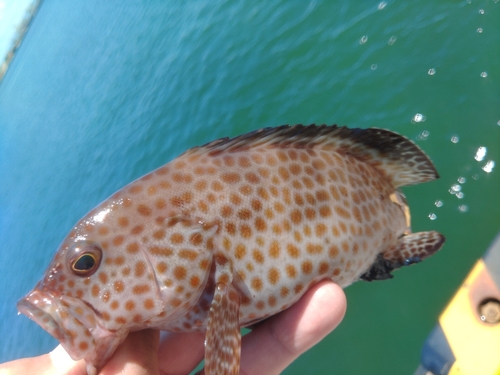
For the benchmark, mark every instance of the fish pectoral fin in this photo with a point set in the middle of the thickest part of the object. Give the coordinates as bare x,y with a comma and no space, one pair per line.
410,249
223,338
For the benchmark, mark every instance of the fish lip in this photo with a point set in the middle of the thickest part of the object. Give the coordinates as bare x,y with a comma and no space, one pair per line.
37,306
64,318
54,314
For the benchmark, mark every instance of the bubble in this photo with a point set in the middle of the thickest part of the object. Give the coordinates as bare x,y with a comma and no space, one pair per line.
432,216
480,153
462,180
488,167
479,30
423,136
481,11
498,123
418,118
475,177
484,74
382,5
392,40
431,71
455,188
438,203
454,138
373,67
463,208
363,39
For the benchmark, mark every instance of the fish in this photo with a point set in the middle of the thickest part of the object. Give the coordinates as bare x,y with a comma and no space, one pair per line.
230,233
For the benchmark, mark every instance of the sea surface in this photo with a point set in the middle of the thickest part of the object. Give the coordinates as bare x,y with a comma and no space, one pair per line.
100,93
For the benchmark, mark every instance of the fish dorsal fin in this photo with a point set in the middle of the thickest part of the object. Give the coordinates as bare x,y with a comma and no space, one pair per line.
395,156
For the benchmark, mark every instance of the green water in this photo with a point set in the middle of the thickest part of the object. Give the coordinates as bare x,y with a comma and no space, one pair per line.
99,94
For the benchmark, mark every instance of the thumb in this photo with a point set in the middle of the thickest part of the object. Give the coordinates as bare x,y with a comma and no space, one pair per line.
137,355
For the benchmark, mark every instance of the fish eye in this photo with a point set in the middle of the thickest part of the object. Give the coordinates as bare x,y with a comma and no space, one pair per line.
84,263
84,258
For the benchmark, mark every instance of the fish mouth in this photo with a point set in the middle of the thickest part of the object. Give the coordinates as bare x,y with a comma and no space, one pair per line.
66,319
77,325
43,309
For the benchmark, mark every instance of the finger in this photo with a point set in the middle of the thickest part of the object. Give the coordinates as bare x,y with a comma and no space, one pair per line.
63,364
180,353
136,355
277,342
57,362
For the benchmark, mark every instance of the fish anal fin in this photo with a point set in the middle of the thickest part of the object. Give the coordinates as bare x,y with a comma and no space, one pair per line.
410,249
223,338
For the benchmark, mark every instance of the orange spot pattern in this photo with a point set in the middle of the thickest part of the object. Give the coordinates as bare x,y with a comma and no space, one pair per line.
284,217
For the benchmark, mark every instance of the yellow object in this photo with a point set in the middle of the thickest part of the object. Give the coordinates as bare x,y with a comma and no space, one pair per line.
474,342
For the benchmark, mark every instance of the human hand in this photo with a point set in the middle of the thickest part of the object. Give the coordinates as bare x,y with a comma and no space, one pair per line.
268,349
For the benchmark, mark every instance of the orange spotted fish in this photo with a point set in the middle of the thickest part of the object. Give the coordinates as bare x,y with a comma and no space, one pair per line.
231,233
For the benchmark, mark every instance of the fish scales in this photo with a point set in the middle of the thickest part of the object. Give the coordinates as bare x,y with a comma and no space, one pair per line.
230,233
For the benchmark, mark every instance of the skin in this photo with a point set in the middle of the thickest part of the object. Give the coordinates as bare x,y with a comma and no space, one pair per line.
271,346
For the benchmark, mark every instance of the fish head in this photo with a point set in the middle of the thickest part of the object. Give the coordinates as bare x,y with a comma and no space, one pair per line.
98,286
